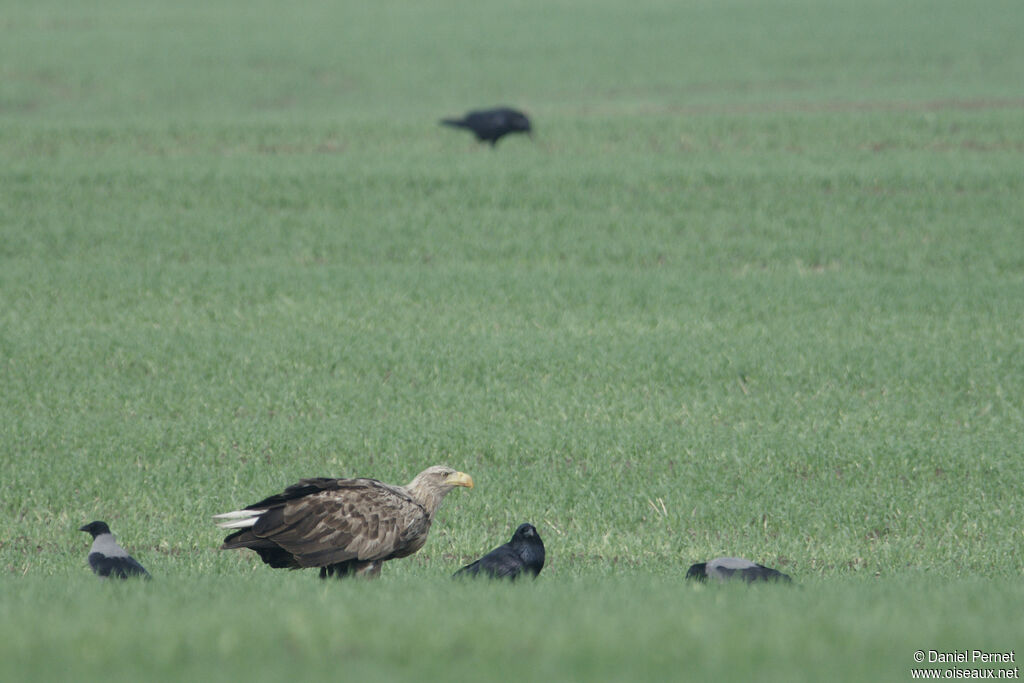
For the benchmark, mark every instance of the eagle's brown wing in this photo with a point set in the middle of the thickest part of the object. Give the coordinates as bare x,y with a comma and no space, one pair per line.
345,519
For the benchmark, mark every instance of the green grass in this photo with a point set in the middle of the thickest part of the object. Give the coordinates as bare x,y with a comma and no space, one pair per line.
756,288
423,627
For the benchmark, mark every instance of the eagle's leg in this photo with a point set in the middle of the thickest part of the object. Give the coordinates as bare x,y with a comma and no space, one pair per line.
369,570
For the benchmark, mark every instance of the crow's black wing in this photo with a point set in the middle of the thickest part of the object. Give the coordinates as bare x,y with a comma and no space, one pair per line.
501,563
118,567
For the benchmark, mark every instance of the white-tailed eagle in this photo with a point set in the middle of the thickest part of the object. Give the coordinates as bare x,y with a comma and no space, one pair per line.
343,526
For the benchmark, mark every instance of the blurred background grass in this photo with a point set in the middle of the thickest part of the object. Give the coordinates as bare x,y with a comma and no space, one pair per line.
755,288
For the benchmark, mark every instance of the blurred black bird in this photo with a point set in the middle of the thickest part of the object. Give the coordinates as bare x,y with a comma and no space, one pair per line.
524,553
107,558
490,125
724,568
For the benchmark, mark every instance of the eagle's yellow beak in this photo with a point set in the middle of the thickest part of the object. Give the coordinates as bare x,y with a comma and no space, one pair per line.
460,479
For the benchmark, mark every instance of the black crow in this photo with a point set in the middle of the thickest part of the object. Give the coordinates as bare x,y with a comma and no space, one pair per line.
524,553
723,568
107,558
489,125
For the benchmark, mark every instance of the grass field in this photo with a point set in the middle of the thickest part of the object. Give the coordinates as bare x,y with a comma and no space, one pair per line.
756,288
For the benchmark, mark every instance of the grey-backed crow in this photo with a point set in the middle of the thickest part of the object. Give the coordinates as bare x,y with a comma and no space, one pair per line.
107,558
723,568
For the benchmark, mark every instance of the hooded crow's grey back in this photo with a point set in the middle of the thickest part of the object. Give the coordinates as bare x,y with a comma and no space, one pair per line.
490,125
724,568
523,554
107,558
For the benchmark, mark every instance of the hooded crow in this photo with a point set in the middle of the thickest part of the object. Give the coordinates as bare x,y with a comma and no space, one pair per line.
490,125
107,558
724,568
524,553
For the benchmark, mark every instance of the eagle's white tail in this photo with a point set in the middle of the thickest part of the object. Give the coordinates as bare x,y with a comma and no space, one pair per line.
243,519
